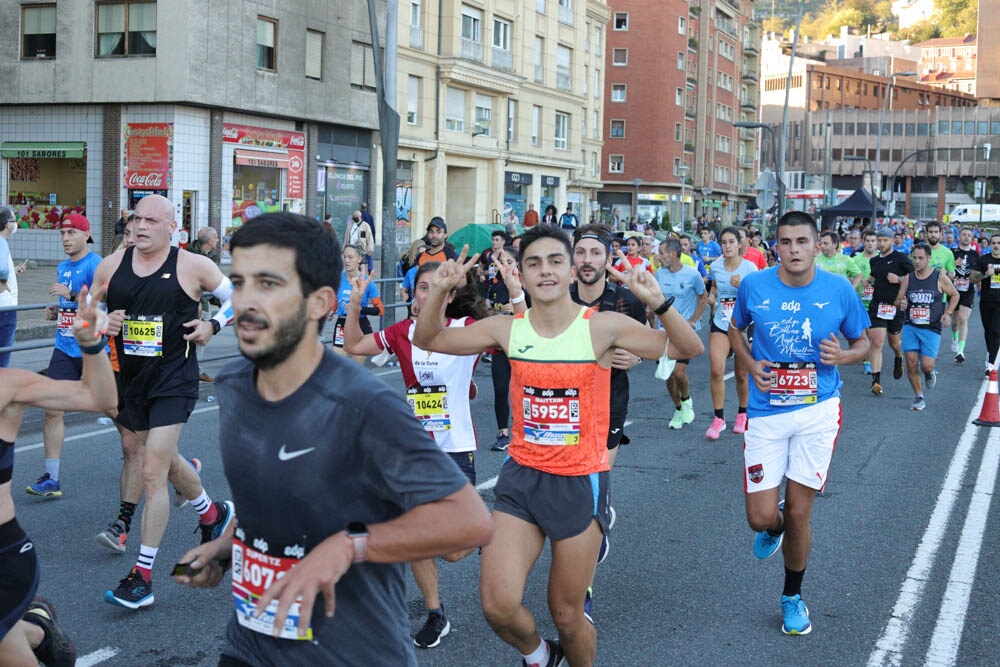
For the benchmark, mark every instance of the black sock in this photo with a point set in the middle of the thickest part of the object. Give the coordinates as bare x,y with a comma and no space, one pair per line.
685,398
793,582
876,376
742,410
677,405
719,413
125,512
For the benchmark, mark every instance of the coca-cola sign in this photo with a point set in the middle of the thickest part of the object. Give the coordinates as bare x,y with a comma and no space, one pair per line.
147,161
263,137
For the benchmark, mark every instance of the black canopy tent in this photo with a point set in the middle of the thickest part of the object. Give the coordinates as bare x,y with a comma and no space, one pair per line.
858,205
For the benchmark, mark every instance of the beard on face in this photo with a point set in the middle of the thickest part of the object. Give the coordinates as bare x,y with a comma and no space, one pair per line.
598,274
287,337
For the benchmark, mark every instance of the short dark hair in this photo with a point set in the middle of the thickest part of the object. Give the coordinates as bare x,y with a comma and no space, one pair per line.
932,223
317,252
539,232
834,236
797,219
922,246
734,231
500,232
868,231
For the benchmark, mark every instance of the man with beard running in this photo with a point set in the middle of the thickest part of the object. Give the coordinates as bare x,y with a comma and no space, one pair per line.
862,258
889,270
437,250
941,257
153,296
966,260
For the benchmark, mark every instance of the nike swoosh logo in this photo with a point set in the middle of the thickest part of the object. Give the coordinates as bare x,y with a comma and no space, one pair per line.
284,455
524,349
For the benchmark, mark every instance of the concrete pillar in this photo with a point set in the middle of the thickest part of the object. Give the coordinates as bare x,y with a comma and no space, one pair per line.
106,214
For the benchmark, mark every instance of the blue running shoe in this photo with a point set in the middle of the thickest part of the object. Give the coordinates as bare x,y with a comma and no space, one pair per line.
765,544
796,616
212,531
132,593
868,368
45,487
588,605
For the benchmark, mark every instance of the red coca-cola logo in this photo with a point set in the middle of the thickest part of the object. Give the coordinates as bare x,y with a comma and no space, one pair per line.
230,132
297,141
150,180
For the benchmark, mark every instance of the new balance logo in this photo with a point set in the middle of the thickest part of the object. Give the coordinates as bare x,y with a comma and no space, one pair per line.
165,276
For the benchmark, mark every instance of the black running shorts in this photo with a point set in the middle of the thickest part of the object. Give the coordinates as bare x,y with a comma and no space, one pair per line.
466,462
893,326
64,367
561,506
19,581
165,411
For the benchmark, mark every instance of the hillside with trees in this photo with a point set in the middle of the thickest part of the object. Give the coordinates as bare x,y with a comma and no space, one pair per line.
821,18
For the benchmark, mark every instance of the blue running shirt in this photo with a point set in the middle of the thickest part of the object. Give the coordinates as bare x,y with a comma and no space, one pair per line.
790,323
73,275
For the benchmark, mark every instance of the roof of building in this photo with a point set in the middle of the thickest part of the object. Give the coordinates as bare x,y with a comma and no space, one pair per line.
968,40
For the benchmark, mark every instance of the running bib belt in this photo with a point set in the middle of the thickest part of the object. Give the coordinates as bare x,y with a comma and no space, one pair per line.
142,335
430,406
886,311
65,323
793,383
255,569
551,416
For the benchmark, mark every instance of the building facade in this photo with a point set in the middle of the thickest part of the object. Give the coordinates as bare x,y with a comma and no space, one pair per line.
227,109
501,107
679,75
949,62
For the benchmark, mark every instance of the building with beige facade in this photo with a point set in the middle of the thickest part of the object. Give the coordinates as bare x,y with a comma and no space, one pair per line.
501,105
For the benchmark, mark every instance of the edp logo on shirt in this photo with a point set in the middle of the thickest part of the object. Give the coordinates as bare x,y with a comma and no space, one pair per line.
791,306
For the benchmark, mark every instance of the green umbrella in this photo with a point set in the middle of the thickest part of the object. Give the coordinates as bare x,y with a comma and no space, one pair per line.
478,237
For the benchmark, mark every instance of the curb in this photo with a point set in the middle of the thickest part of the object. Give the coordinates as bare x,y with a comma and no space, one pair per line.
35,332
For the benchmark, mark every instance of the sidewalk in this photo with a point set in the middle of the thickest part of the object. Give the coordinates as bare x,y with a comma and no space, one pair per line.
33,288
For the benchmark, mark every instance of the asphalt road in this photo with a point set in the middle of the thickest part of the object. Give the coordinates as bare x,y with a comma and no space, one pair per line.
901,570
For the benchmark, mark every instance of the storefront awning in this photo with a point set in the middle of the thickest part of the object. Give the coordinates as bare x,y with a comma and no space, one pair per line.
261,159
43,149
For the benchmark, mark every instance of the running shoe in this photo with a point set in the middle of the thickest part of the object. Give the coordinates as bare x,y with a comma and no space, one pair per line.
56,649
435,628
212,531
918,403
795,616
502,443
687,411
588,605
741,423
876,388
133,592
178,498
203,377
959,358
931,379
764,543
677,420
556,656
114,536
897,368
716,429
868,368
45,487
954,345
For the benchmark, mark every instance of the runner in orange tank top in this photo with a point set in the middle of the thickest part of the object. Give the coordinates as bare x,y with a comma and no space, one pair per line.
555,485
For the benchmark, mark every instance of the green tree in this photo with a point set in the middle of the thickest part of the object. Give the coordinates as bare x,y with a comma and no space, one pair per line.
956,17
921,32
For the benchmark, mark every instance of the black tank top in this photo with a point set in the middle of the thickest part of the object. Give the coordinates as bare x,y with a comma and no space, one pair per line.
924,306
154,358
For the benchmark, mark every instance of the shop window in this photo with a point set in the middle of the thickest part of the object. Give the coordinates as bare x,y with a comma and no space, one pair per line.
38,32
314,55
362,66
126,29
45,181
267,40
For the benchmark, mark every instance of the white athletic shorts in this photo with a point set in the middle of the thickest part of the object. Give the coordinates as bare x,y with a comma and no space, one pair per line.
798,445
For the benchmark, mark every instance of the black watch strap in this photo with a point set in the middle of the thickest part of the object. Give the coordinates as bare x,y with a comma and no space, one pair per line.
665,306
216,327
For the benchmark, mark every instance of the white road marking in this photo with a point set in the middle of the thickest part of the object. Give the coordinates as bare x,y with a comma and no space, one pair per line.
98,656
947,636
889,647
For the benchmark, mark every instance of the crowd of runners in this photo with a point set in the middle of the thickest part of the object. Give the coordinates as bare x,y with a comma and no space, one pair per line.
561,315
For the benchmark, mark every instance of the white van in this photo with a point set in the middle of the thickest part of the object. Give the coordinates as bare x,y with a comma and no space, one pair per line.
969,213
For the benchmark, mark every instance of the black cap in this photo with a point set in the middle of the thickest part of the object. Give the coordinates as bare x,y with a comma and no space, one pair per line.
438,221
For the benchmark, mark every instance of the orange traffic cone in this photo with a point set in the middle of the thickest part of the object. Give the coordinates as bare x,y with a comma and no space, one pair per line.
990,413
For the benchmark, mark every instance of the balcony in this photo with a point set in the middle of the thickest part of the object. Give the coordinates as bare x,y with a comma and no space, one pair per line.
750,49
472,50
728,27
746,162
502,59
750,75
566,15
416,37
692,74
689,148
692,44
691,110
748,103
746,134
733,4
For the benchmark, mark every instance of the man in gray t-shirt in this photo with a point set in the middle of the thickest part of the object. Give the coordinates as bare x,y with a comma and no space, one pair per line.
335,483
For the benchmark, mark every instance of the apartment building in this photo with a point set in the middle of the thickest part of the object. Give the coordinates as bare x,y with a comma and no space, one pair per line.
501,104
679,74
949,62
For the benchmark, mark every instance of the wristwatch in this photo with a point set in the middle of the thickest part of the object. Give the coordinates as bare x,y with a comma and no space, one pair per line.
216,327
357,532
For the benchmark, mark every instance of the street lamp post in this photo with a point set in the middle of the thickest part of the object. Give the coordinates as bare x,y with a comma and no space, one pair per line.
683,172
871,180
878,136
635,207
750,125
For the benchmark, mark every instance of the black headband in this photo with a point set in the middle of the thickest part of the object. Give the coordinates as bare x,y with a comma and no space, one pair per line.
603,240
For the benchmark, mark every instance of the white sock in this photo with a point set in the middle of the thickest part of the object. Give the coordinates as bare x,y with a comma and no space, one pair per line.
540,656
202,503
147,556
52,468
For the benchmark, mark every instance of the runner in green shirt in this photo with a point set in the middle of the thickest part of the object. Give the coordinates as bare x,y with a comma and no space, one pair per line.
862,260
833,260
941,256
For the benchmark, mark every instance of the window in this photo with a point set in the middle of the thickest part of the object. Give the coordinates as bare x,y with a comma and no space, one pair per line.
595,165
619,57
723,143
501,34
679,97
540,6
618,92
621,21
586,78
617,129
413,100
536,126
454,113
38,32
415,10
681,60
586,39
539,59
472,24
677,166
566,11
560,134
267,33
597,83
362,66
564,63
597,40
583,127
127,29
678,131
727,50
511,120
616,164
314,55
484,115
597,123
681,25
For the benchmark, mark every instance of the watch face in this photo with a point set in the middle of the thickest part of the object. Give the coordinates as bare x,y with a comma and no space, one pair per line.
356,527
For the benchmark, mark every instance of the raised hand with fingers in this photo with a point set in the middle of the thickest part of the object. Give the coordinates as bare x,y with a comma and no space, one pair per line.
359,285
509,273
450,274
90,322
